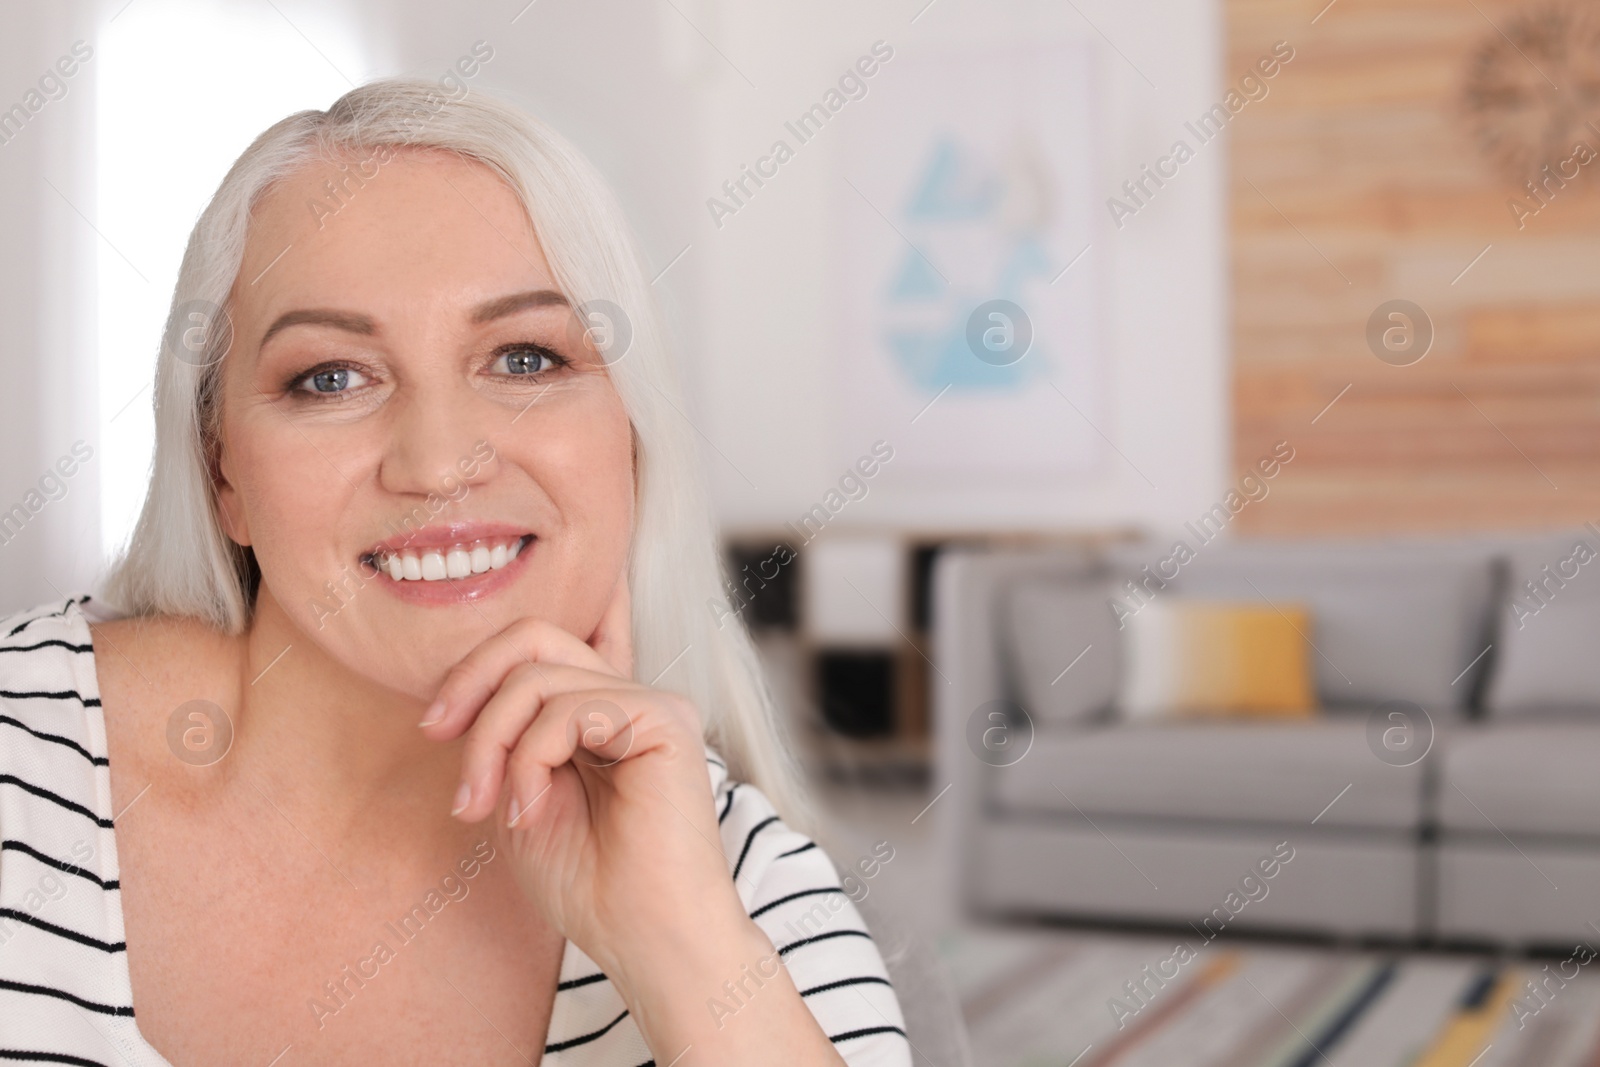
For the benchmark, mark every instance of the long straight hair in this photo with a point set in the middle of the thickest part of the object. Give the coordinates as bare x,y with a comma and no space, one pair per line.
180,562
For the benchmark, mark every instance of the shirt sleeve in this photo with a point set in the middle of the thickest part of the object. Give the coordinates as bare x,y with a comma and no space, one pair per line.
792,890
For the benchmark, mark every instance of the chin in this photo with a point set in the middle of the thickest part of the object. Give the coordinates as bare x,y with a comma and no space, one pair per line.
412,660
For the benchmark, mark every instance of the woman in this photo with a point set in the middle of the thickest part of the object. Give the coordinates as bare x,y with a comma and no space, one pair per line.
369,757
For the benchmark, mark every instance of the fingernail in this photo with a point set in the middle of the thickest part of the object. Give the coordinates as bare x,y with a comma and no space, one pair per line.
463,798
434,713
513,811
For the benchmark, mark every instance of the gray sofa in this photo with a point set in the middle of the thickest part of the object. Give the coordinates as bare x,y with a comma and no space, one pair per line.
1448,789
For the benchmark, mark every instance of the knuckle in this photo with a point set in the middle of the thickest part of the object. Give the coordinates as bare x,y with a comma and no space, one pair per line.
527,627
504,752
485,743
524,676
520,763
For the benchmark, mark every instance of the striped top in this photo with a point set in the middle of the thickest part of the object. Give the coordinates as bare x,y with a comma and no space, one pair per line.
65,994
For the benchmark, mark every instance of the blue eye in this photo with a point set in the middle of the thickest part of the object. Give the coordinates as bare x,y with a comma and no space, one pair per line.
526,361
331,381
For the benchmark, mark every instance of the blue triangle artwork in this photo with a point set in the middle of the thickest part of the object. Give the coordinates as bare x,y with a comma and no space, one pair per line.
956,190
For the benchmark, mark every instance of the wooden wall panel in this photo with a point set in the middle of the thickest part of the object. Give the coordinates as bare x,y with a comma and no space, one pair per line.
1357,180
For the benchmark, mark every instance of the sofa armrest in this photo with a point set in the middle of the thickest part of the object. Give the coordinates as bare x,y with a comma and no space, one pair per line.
968,584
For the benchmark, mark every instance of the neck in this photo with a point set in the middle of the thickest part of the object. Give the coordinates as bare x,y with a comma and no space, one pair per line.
338,745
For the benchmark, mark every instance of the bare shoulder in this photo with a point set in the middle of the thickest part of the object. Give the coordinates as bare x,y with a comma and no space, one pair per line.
149,666
159,641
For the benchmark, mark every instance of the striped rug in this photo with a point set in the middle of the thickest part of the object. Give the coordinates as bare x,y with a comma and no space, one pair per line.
1034,998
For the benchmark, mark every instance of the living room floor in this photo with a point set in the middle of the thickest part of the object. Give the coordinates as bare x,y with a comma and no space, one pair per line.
1037,995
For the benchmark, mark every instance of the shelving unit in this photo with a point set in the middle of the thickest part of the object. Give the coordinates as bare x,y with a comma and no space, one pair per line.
853,677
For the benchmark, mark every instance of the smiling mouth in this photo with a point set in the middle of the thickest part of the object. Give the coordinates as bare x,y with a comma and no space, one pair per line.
448,562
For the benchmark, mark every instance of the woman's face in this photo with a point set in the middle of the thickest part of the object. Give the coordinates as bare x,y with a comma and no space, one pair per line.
407,394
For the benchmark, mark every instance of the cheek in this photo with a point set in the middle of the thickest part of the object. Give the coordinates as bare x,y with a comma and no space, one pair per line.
292,498
585,464
587,467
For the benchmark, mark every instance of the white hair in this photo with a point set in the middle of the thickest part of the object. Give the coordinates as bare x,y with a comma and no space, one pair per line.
180,562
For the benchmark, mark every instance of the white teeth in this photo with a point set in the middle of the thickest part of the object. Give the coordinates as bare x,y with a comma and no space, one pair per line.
454,562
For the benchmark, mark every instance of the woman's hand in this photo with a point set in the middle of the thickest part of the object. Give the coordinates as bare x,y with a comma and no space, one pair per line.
603,800
598,784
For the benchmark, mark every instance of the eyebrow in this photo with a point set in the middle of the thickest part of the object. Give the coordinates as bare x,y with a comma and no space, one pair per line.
510,305
354,322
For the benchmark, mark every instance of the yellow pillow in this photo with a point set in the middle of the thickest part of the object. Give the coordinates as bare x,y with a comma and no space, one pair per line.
1196,658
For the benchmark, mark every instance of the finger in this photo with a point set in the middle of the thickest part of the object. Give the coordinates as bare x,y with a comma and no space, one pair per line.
613,637
503,720
594,730
481,672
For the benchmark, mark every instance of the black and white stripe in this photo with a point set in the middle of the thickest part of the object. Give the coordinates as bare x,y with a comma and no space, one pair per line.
64,990
792,891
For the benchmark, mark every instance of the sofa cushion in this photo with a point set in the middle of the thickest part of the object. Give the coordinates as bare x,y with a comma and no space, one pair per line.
1532,775
1393,620
1047,627
1548,620
1549,663
1244,771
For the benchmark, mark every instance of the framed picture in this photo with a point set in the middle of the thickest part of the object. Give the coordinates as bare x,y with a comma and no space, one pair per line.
967,284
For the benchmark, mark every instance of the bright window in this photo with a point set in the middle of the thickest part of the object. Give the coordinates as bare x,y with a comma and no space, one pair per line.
184,87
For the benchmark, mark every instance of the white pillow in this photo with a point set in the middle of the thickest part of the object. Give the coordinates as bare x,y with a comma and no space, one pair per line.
1149,668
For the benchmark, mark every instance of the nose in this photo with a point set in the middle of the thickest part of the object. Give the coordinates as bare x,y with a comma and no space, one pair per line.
435,445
